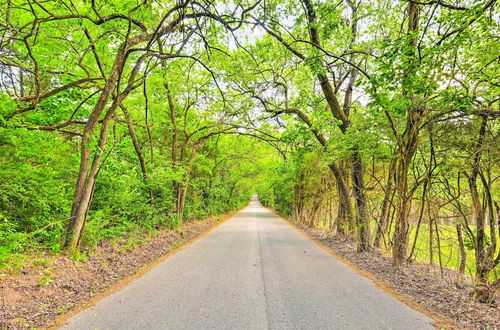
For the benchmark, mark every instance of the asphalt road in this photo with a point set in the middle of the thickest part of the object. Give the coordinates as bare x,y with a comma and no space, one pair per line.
252,272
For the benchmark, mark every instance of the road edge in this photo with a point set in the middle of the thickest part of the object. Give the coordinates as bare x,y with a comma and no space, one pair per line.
440,321
62,319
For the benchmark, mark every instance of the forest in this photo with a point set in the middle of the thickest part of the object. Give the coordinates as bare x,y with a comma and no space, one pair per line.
376,121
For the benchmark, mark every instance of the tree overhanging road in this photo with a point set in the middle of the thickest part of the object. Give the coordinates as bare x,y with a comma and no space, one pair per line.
252,272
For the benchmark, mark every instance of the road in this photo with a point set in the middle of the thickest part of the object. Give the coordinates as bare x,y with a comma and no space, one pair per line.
252,272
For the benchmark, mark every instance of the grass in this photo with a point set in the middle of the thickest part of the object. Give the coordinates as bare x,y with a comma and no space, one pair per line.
450,254
47,277
449,247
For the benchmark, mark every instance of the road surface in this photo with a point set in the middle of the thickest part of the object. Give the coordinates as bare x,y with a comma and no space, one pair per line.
252,272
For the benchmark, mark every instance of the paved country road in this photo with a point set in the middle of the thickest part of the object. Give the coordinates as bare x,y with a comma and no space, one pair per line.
252,272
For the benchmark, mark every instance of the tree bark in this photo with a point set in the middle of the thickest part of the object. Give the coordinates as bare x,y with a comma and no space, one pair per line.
138,151
484,264
362,223
342,114
407,147
461,246
176,186
183,187
86,176
386,206
89,169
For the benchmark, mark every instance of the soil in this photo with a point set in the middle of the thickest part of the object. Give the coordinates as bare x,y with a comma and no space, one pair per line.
40,294
445,298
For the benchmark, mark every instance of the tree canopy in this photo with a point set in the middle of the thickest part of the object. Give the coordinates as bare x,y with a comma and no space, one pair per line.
374,119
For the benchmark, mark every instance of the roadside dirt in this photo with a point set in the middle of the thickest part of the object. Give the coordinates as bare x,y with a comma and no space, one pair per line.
446,299
40,294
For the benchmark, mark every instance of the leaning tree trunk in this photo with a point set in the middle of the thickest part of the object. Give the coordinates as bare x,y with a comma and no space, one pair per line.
82,202
340,178
86,176
342,114
138,151
89,169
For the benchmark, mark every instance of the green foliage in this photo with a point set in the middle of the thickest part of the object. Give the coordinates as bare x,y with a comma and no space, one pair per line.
78,255
47,277
207,123
277,189
38,173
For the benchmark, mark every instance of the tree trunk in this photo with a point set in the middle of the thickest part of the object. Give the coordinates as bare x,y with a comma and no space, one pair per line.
138,151
299,201
482,290
81,205
342,114
176,185
386,206
83,187
88,171
183,187
344,198
461,246
407,147
362,223
403,204
431,234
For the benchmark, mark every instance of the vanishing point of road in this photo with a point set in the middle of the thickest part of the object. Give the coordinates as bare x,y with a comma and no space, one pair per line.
252,272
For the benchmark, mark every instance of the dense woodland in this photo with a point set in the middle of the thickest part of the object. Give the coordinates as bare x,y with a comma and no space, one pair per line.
376,120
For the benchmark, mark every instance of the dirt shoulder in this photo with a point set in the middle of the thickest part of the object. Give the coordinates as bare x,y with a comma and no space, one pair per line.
446,300
46,294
